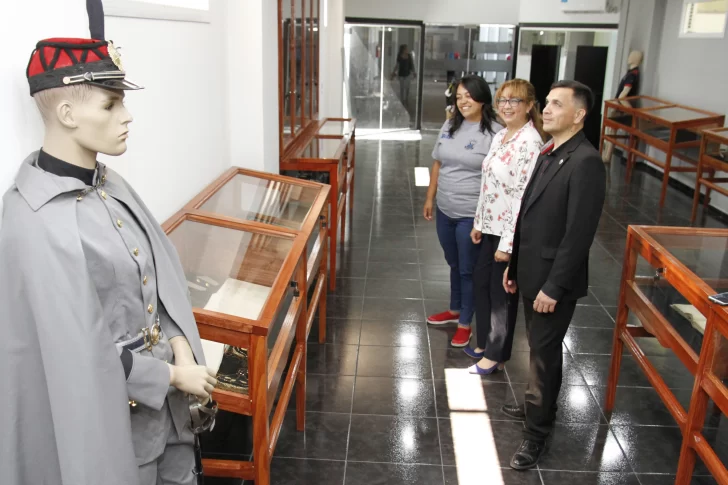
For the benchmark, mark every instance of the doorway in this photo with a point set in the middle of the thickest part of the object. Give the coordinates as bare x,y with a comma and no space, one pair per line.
591,69
544,70
383,92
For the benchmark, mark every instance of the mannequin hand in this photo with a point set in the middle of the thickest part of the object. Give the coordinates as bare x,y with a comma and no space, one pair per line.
509,285
502,257
427,210
544,303
476,236
192,379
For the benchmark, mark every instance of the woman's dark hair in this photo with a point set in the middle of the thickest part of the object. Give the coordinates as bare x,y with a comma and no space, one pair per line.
479,92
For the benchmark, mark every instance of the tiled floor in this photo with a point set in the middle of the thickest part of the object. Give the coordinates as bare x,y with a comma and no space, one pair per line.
389,401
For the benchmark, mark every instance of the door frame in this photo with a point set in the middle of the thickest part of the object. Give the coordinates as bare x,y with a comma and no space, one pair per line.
420,53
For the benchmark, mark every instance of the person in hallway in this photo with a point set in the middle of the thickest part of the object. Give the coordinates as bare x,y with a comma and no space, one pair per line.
506,172
462,145
404,69
559,216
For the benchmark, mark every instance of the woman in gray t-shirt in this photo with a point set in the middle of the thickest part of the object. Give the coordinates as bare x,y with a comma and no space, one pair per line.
461,147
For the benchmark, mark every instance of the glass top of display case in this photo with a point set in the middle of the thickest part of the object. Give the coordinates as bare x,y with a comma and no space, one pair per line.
336,127
640,103
329,148
676,114
229,271
263,200
705,254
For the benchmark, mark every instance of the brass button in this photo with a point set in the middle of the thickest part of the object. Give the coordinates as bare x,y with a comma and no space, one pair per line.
136,251
132,403
103,179
103,194
150,309
144,281
79,198
119,223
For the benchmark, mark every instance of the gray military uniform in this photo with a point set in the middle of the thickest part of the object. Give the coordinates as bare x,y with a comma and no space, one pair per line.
136,278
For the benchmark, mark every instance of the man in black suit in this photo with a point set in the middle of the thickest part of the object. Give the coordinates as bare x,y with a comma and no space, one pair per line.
559,216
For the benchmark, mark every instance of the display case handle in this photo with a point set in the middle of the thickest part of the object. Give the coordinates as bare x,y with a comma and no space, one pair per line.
294,285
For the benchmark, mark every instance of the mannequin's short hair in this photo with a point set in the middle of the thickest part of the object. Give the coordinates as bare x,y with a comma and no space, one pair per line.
48,99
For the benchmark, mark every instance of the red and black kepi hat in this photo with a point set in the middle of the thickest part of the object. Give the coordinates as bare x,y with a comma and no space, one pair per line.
63,62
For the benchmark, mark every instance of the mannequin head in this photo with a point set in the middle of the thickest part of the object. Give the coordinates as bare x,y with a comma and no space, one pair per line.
634,59
85,118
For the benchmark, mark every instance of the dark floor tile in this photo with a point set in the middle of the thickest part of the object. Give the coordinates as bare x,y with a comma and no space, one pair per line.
349,287
589,340
394,255
331,359
394,397
392,474
379,230
354,269
653,479
463,392
588,478
393,242
476,437
589,300
396,271
393,309
431,272
650,449
607,295
394,362
327,394
518,369
592,316
637,406
441,335
436,306
596,371
449,363
433,256
436,290
584,447
520,339
338,332
394,440
473,473
352,255
291,471
348,308
325,437
393,288
576,405
394,333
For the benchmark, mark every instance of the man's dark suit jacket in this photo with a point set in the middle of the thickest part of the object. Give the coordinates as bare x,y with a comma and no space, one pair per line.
559,216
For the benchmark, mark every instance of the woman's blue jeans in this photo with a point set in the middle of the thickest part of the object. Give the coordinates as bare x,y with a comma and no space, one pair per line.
461,255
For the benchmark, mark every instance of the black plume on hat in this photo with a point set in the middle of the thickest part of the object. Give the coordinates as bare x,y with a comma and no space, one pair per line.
95,10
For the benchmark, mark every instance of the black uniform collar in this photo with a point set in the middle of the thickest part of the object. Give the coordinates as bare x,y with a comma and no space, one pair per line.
56,166
567,147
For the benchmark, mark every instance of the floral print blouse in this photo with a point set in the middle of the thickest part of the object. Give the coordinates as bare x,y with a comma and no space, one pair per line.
506,171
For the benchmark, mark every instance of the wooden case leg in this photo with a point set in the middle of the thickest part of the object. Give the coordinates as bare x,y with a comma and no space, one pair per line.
696,195
628,272
333,226
301,341
259,393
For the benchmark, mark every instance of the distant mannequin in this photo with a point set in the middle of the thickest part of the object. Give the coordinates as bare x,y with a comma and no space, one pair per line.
628,86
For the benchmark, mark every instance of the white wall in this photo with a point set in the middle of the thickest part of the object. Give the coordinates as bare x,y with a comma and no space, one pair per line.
331,60
437,11
549,12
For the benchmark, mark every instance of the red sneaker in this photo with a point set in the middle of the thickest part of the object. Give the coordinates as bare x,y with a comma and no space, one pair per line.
443,318
461,337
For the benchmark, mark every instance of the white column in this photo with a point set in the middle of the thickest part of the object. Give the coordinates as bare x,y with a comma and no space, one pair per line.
331,45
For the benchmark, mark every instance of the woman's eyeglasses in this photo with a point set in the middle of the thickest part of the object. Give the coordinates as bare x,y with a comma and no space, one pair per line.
501,102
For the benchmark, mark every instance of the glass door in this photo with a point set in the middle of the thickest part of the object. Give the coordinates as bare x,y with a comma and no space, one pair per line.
383,72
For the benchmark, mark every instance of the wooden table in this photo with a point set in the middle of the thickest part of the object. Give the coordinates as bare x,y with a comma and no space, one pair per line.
675,264
669,127
713,158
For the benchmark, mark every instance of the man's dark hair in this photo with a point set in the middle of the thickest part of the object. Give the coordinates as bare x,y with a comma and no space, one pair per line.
582,93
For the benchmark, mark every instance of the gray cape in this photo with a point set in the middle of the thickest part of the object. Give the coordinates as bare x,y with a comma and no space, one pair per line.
64,418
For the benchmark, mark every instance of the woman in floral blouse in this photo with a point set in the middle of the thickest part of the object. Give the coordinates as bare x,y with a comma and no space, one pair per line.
506,171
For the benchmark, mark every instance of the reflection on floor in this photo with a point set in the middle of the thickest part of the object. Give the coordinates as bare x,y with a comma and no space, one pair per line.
389,401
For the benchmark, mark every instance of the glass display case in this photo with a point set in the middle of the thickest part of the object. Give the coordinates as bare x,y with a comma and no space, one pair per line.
328,156
713,158
251,246
668,275
668,127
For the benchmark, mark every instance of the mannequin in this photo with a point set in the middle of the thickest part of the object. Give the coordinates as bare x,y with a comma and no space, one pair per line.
628,86
96,306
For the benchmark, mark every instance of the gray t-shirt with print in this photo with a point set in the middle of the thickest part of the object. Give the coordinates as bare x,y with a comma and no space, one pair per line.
461,156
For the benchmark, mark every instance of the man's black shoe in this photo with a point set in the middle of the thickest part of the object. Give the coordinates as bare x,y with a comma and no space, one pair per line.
515,411
527,455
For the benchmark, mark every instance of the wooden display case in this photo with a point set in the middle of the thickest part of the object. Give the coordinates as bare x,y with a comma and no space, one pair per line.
668,127
252,246
713,158
327,155
679,268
